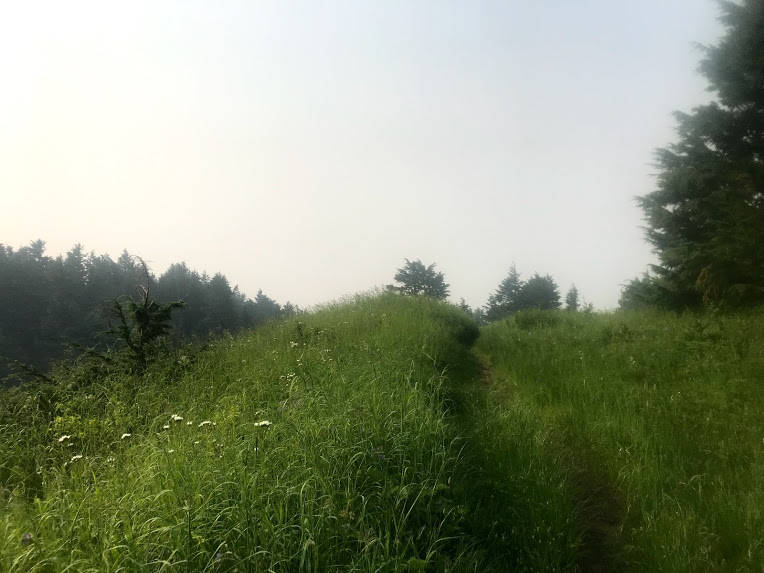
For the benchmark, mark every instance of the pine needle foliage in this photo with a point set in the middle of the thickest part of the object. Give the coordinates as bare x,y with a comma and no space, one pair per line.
706,218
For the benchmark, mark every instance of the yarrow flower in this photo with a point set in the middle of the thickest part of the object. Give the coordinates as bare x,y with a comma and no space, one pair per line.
176,418
125,435
263,423
64,438
205,423
189,423
166,427
76,457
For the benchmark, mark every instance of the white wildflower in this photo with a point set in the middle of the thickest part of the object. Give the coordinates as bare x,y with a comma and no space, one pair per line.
170,451
189,423
110,460
293,344
205,423
263,423
125,435
196,443
176,418
166,427
64,438
75,458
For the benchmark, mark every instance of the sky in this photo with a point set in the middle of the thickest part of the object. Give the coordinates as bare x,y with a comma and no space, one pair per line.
307,148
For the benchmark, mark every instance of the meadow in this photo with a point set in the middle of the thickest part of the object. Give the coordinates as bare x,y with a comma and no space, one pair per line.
389,433
653,423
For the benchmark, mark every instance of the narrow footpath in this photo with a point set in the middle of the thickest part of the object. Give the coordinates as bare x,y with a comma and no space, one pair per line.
541,501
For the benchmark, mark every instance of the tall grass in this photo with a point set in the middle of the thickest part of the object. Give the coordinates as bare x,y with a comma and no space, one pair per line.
316,444
368,437
653,425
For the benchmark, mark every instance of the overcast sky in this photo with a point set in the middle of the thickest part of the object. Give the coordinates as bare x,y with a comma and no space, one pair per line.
306,148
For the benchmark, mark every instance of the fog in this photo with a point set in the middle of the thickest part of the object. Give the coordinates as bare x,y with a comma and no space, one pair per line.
307,148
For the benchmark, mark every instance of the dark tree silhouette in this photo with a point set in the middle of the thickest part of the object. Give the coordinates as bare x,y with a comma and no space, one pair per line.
416,278
706,218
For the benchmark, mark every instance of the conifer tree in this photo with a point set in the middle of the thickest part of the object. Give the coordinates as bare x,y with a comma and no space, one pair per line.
540,292
506,299
706,217
142,323
571,299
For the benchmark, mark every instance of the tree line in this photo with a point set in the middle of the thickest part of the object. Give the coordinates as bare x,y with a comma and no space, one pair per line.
512,295
49,305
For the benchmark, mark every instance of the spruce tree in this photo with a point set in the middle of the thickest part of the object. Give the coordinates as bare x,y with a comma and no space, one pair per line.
506,299
142,323
540,293
571,299
706,217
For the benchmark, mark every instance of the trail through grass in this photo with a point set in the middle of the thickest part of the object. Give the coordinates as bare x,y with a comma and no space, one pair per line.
368,436
652,426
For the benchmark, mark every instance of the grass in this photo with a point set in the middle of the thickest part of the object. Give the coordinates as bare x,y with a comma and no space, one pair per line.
653,425
368,436
351,472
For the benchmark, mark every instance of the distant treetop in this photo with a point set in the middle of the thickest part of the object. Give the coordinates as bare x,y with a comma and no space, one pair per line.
416,278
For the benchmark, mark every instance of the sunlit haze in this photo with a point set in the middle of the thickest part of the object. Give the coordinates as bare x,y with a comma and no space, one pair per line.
307,148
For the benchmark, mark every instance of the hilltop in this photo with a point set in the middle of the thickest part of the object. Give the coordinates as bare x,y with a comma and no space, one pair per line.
389,433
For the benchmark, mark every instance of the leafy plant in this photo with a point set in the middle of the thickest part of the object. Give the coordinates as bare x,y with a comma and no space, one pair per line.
142,323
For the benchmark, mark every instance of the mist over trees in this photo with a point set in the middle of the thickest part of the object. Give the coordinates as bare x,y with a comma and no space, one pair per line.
705,220
513,294
571,299
417,279
48,304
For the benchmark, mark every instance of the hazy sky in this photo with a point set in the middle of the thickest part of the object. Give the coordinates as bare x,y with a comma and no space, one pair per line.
306,148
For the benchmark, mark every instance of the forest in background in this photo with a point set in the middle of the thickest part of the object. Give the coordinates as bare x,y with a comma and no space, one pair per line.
63,307
51,306
705,222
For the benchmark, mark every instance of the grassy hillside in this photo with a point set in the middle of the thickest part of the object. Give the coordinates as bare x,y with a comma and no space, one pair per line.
314,444
368,436
650,425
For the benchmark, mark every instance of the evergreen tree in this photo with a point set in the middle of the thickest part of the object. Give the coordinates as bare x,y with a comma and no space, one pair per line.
506,299
644,292
706,217
50,305
222,314
571,299
265,308
540,292
181,283
416,278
